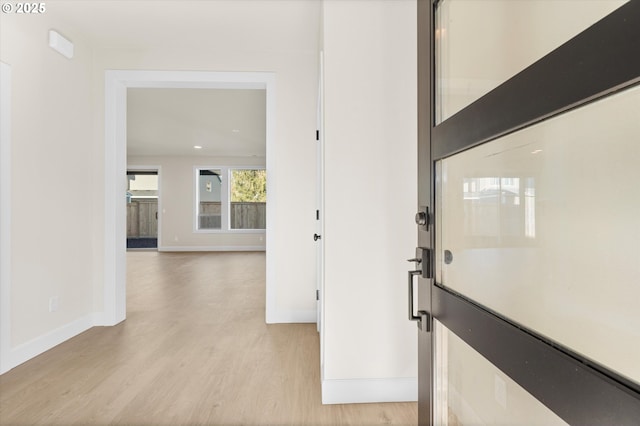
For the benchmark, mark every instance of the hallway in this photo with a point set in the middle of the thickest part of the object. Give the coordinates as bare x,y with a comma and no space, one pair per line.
193,350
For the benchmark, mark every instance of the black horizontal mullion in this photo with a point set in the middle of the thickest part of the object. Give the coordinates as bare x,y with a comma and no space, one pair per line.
577,392
603,58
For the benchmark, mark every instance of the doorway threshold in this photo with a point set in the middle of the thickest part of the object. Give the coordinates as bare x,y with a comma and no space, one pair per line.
142,243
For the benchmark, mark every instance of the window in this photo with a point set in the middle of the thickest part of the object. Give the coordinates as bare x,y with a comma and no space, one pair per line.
248,199
209,199
230,199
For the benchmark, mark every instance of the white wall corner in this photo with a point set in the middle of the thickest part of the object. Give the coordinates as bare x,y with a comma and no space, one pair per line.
98,319
5,217
358,391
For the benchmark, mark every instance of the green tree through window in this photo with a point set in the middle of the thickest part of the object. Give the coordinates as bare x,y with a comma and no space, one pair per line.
248,199
249,186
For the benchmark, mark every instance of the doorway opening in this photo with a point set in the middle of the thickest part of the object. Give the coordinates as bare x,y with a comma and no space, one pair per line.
116,85
142,209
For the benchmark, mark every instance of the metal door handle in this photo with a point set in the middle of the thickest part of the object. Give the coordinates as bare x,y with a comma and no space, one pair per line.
316,237
411,275
423,317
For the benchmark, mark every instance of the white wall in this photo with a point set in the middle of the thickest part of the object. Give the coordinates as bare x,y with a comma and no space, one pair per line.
5,217
51,155
58,146
293,174
177,204
370,196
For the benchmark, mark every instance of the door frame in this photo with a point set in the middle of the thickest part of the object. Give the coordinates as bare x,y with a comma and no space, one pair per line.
426,239
320,212
115,152
580,71
6,363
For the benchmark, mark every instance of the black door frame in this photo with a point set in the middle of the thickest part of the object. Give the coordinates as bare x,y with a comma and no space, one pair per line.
425,200
600,61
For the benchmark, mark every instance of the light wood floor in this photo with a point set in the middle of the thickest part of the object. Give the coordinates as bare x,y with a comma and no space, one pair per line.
194,350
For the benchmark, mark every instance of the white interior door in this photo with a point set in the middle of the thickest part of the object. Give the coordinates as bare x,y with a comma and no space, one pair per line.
319,214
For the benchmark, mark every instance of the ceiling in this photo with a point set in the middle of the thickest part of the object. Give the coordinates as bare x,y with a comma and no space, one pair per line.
253,25
170,122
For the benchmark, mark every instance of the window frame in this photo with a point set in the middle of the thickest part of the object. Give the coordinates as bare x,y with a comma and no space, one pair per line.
225,200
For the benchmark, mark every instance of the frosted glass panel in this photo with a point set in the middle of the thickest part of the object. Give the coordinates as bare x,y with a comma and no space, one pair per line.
481,44
470,390
543,227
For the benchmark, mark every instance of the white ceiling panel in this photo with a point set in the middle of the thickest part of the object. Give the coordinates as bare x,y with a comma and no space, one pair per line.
246,25
170,122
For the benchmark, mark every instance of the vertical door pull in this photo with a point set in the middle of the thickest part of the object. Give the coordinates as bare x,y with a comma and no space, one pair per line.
423,318
411,275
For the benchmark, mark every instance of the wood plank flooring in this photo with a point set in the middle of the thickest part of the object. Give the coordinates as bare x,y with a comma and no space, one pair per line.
194,350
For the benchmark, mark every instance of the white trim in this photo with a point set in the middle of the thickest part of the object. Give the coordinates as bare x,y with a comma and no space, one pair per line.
116,84
294,317
212,248
5,217
115,187
229,231
271,289
356,391
35,347
320,206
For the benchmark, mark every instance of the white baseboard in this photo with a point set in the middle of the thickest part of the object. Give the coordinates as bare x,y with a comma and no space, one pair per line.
288,317
212,248
356,391
35,347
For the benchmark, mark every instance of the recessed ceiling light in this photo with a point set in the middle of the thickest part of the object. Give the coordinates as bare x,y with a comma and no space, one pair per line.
197,147
537,151
236,130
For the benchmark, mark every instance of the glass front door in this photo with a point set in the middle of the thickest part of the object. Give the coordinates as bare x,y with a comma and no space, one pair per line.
534,149
541,228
